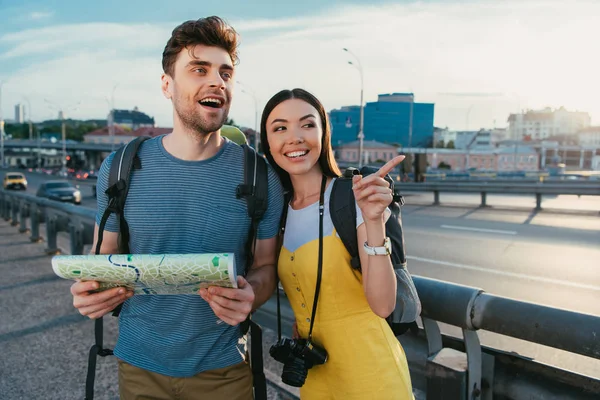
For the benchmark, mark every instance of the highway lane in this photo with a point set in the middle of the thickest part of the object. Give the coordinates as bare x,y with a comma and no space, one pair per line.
546,258
550,263
34,179
562,202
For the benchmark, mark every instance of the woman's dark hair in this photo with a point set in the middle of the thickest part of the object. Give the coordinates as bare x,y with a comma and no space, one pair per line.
326,160
210,31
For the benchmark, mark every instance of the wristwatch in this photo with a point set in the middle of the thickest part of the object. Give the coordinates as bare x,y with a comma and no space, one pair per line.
384,250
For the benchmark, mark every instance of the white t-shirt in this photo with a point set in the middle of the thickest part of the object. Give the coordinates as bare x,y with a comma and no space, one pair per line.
302,226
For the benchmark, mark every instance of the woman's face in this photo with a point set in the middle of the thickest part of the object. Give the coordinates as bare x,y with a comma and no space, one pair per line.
294,133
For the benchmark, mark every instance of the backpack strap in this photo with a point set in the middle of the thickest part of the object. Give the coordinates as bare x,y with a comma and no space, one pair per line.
342,208
255,191
124,161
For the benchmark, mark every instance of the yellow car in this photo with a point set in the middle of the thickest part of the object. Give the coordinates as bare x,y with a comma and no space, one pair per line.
14,180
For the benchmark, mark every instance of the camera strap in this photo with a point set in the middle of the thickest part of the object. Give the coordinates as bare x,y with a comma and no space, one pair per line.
320,265
320,262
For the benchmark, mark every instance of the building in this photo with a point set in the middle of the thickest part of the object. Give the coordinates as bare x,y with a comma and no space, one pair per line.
393,119
122,135
519,158
498,135
546,123
373,152
19,114
571,156
462,139
589,136
132,119
596,163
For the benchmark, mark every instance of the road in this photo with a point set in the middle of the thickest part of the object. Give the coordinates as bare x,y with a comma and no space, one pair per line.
85,186
550,258
549,202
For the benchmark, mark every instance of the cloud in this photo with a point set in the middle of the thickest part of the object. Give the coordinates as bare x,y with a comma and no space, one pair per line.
40,15
66,38
531,54
472,94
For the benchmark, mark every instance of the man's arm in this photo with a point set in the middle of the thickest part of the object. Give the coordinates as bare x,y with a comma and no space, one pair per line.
262,274
96,305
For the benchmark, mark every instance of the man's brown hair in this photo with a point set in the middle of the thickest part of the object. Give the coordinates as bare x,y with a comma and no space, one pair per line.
210,31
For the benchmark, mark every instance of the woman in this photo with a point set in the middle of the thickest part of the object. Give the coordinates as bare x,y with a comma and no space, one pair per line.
365,360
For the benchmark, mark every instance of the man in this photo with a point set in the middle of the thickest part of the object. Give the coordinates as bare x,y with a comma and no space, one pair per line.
183,200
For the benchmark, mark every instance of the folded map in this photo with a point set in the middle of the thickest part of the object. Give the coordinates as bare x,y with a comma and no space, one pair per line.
150,273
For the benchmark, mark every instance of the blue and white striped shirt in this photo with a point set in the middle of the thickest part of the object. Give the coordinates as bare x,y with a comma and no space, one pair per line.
174,207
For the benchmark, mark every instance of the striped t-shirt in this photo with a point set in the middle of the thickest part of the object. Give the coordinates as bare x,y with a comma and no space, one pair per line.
175,207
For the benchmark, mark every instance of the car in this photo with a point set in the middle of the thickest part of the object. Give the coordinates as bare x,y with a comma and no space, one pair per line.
14,180
60,191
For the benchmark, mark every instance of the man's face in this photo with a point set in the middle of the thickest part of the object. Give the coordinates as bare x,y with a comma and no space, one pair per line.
201,87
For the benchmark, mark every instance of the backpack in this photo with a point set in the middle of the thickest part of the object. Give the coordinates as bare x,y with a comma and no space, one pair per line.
254,190
342,207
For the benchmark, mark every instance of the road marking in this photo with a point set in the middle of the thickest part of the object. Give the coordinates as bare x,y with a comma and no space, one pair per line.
466,228
504,273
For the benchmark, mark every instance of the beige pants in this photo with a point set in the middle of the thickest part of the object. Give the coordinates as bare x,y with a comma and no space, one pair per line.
230,383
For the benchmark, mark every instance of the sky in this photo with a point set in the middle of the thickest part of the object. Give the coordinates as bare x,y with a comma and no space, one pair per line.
477,60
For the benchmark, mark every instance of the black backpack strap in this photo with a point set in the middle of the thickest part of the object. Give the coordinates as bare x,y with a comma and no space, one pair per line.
342,208
255,190
256,362
124,161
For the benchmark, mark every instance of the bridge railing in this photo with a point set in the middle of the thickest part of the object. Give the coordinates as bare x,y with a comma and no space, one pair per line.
535,189
454,368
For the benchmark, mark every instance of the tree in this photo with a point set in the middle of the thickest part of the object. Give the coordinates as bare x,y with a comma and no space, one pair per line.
17,131
450,144
440,144
443,165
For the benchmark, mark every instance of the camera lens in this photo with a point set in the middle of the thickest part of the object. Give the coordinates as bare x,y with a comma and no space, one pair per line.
294,372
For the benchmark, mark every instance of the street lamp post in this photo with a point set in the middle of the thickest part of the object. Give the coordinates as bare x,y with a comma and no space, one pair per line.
61,111
1,129
361,134
251,93
410,122
31,132
112,118
64,144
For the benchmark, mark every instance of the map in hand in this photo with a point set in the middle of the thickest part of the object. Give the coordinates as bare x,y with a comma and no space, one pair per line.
150,273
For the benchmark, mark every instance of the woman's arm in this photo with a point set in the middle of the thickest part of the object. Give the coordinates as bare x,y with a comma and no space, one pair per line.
373,194
379,281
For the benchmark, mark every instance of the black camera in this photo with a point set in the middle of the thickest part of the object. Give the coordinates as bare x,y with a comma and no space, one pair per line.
297,356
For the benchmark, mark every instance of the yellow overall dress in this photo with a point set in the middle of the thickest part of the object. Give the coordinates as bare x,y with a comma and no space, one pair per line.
366,361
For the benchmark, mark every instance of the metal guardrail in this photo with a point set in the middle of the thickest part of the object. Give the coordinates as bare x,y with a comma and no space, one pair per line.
537,189
450,373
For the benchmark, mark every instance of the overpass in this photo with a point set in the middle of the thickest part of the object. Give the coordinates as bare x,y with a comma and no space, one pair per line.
29,149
